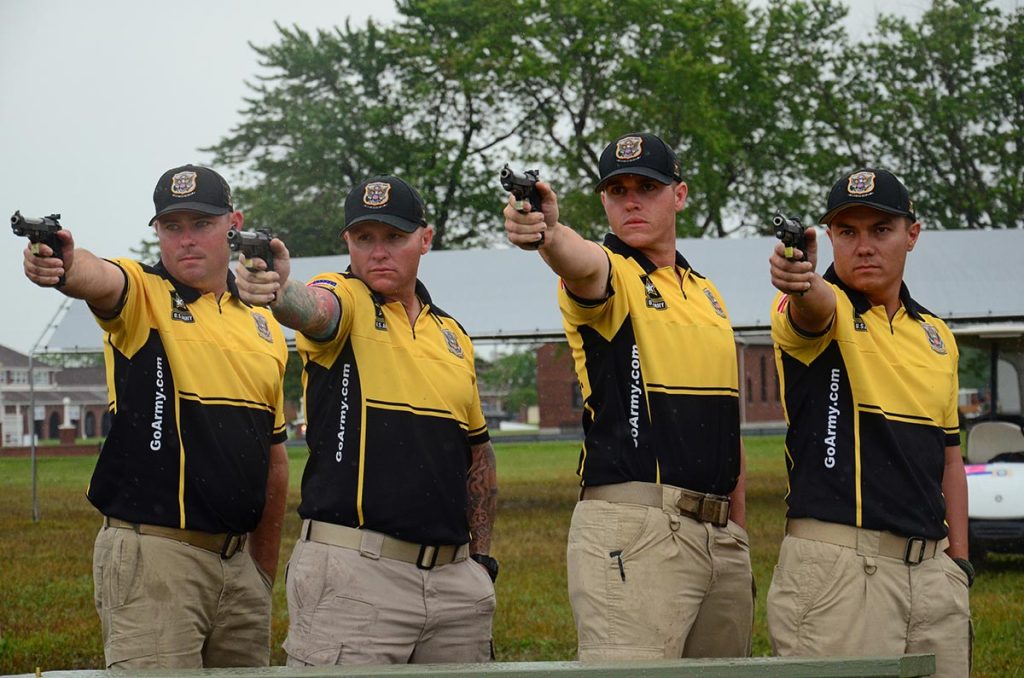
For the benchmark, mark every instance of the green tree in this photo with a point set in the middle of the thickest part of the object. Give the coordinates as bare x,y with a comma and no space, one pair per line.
764,105
940,103
343,105
514,375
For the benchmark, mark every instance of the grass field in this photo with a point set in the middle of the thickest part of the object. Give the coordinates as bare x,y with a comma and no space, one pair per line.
47,618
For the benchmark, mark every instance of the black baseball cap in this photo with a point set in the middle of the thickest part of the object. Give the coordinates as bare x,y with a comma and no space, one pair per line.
385,199
872,187
638,153
191,188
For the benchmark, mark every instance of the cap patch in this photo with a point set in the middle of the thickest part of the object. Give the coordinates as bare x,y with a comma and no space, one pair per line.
861,183
377,194
629,148
183,184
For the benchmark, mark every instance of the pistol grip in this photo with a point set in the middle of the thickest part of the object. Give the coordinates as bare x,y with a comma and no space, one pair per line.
535,201
53,242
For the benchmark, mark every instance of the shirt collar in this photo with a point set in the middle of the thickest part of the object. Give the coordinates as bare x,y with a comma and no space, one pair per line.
615,244
190,294
861,304
421,290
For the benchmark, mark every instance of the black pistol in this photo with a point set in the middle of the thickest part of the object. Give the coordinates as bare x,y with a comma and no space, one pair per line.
252,244
523,187
791,232
41,230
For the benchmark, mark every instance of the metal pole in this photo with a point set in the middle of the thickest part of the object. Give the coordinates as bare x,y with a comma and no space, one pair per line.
61,310
32,430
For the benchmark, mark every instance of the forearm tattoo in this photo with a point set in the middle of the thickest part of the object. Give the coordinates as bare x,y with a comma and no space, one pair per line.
312,311
482,495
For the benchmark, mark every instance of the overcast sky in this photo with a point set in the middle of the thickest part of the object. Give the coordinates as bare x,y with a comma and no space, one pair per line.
99,98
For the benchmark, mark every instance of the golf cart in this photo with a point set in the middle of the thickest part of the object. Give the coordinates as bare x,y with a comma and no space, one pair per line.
993,420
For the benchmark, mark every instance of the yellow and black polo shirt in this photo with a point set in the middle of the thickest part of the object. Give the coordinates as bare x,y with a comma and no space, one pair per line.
391,413
871,406
196,395
656,360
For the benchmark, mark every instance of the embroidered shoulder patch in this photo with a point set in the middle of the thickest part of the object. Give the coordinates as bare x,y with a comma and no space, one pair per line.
179,310
453,342
262,327
934,340
654,298
714,302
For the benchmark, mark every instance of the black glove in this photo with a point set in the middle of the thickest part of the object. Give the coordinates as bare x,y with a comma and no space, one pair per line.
490,564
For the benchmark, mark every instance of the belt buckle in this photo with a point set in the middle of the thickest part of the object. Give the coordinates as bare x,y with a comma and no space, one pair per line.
713,516
233,543
907,552
432,551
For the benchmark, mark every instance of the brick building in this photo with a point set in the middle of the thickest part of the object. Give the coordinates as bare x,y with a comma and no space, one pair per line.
74,395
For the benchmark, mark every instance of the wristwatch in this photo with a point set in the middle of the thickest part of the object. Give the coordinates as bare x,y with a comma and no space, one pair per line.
490,564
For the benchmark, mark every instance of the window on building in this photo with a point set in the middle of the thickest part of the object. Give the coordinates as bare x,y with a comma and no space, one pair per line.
750,391
90,424
54,426
764,379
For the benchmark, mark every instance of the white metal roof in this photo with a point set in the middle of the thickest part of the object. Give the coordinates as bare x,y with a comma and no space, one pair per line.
509,294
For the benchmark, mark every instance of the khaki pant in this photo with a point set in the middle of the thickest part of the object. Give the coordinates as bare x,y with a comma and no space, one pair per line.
166,604
347,608
828,600
647,583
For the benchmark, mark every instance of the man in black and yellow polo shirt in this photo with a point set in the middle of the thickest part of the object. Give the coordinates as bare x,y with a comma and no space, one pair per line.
874,561
658,559
193,477
399,493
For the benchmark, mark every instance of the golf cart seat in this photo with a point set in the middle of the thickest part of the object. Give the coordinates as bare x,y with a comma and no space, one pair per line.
989,439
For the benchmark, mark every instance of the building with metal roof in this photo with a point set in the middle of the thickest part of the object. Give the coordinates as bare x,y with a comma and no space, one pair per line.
509,295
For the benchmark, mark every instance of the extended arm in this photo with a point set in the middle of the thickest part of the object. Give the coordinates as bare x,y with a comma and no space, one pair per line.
812,301
99,282
313,311
581,264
